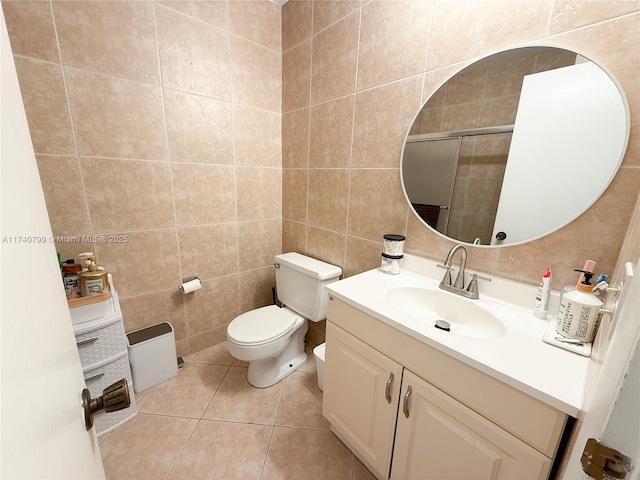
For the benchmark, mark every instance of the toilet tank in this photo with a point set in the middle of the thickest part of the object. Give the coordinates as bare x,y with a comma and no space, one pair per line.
300,282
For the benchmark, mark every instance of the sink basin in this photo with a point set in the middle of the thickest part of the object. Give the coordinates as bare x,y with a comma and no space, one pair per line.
466,318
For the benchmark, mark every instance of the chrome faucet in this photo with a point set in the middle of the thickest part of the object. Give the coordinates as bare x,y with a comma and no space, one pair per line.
458,286
463,263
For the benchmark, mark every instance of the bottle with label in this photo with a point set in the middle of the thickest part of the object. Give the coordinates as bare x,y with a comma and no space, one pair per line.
579,313
70,277
93,281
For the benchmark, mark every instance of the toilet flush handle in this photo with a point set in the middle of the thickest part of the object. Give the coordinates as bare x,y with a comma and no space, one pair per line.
277,265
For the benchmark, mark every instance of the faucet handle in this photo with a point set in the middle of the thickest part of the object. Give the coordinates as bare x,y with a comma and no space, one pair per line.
446,280
473,284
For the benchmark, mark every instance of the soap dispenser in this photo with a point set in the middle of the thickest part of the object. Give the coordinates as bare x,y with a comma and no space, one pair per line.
579,313
94,280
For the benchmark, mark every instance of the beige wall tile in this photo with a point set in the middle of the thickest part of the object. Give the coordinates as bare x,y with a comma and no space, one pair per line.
327,12
207,338
328,198
116,118
294,237
258,193
295,139
203,193
499,111
326,245
256,74
258,242
125,195
378,139
111,37
257,137
335,50
496,25
152,308
464,88
63,192
331,133
147,262
214,305
212,12
45,103
393,41
376,203
72,247
296,77
294,194
571,14
256,288
199,129
208,251
31,29
296,22
194,56
265,27
361,255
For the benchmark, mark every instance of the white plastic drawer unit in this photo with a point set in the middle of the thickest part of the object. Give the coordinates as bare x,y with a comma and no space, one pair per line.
102,348
100,377
100,341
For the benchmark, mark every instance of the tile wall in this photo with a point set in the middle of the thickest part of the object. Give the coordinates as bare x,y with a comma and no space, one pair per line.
158,126
356,73
212,138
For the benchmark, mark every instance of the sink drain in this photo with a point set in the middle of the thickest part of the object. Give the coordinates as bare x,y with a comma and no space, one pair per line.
443,325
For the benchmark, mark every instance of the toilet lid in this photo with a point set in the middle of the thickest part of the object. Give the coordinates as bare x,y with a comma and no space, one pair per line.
261,325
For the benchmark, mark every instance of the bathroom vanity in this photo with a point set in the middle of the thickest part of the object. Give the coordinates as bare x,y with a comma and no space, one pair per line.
412,401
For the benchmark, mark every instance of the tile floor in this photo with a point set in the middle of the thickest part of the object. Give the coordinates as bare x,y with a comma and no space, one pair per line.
208,422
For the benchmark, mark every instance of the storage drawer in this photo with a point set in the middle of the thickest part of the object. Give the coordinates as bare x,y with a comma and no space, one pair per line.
101,343
97,379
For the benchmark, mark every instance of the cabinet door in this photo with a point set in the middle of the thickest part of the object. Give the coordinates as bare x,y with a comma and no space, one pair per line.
361,391
439,438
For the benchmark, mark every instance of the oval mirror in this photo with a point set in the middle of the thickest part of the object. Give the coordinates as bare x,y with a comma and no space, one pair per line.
515,146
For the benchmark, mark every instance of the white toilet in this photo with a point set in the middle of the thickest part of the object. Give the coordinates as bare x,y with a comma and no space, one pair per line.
271,338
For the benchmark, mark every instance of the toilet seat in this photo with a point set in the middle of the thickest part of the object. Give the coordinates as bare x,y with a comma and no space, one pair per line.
262,325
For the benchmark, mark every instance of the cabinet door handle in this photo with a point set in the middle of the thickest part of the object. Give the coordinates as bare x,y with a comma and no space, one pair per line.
405,403
387,390
86,341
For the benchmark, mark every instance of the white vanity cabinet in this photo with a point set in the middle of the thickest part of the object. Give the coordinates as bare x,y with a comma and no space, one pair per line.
456,422
361,390
438,437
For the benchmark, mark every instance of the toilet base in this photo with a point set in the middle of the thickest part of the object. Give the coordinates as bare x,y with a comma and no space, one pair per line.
269,371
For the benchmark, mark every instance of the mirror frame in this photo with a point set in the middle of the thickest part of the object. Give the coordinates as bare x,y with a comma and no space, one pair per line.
597,195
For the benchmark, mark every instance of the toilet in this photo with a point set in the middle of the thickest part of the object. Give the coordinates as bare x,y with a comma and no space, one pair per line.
271,338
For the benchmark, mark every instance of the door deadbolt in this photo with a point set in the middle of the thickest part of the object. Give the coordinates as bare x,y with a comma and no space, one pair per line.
602,462
115,397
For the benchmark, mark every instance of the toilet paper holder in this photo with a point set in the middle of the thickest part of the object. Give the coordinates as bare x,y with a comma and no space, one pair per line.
187,280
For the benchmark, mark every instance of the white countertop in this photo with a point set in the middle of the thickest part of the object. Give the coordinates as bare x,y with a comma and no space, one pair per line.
518,358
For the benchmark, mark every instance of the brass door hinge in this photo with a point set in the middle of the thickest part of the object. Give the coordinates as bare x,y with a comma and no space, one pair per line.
603,462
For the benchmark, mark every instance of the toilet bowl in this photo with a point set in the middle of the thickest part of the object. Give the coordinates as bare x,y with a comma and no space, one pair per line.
271,338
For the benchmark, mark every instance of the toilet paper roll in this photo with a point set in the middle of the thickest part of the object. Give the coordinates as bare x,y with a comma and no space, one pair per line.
191,286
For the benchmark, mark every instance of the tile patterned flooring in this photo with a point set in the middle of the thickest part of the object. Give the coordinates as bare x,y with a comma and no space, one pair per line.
208,422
